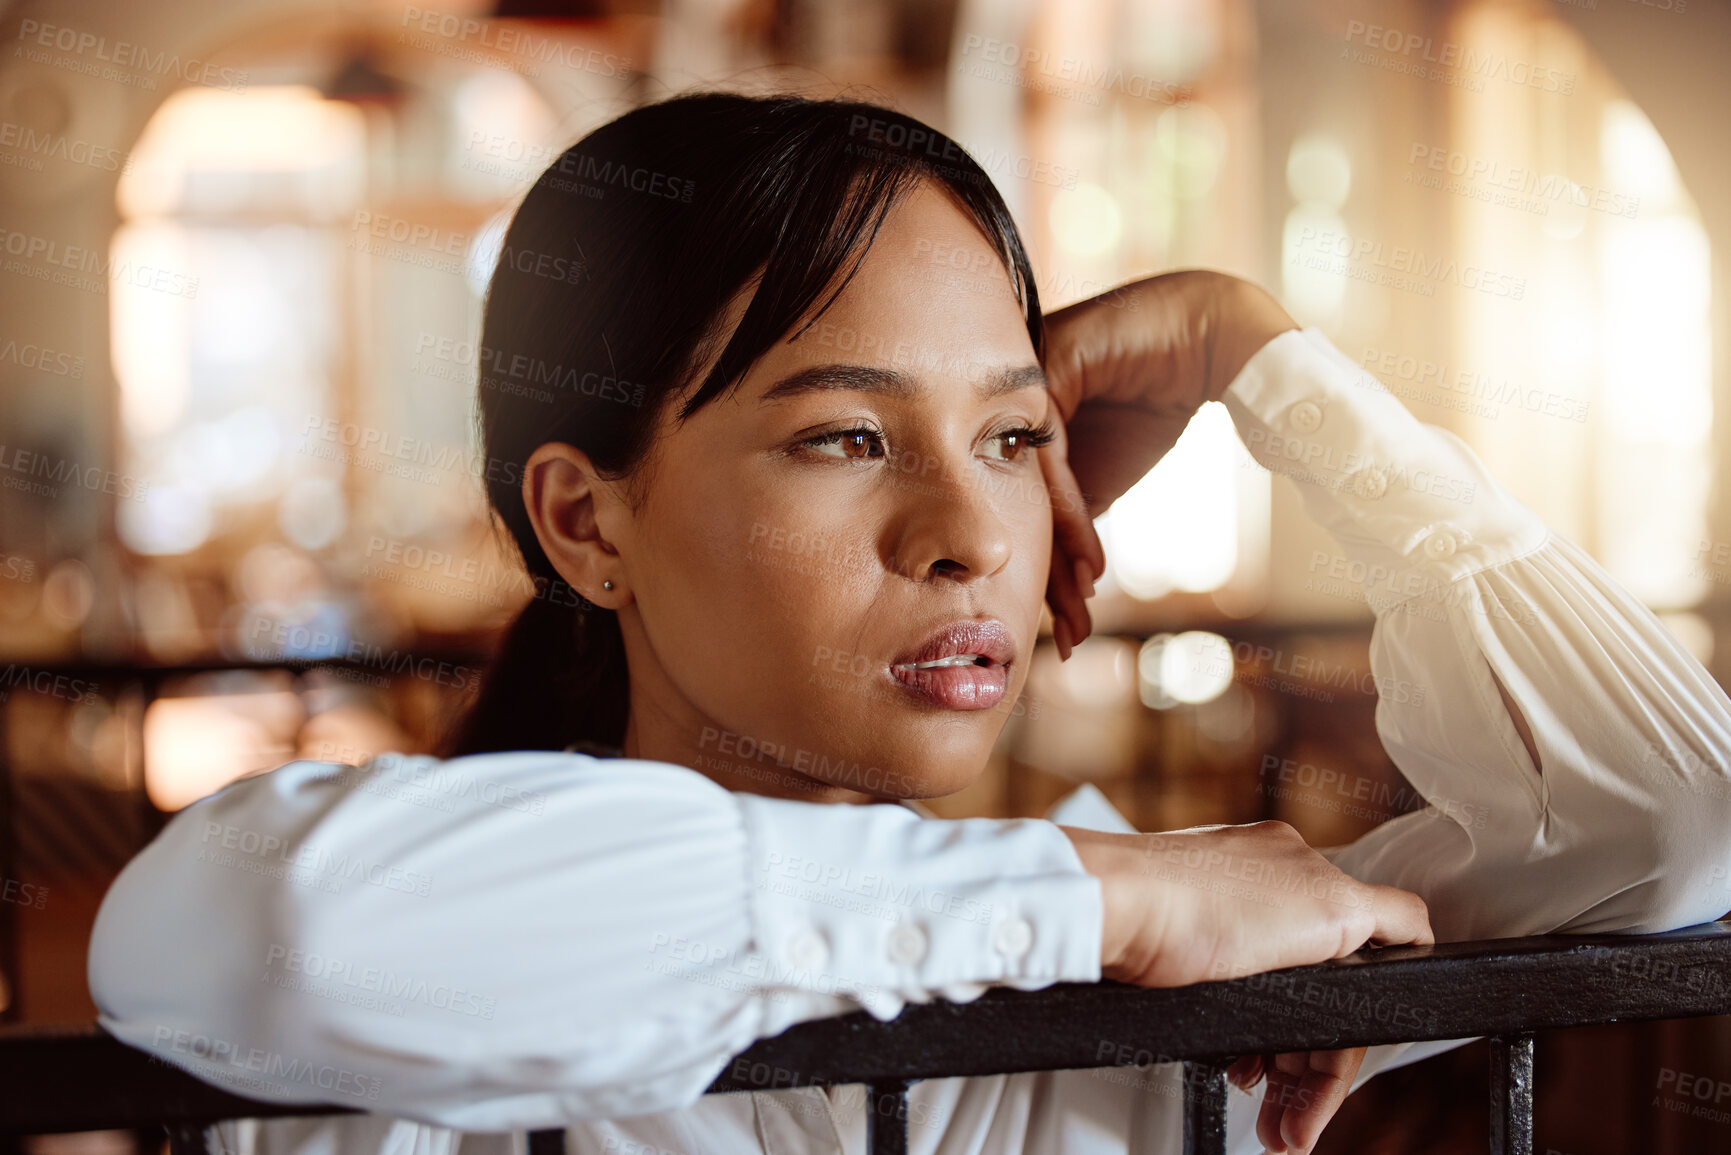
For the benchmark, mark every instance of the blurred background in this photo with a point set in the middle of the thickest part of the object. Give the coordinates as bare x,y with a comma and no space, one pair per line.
242,250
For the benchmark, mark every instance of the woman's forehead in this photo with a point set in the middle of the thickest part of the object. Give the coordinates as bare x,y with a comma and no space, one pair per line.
930,303
930,289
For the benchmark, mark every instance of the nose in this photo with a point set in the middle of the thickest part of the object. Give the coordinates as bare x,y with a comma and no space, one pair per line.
950,526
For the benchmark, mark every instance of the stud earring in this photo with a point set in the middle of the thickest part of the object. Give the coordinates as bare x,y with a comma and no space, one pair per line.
606,585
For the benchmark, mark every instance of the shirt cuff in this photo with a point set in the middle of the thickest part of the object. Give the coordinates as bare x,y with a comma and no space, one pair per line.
1410,503
884,907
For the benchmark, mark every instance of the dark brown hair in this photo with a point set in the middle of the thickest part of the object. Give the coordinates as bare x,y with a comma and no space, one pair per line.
606,298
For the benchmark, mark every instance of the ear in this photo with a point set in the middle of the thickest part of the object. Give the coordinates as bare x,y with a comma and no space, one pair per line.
568,502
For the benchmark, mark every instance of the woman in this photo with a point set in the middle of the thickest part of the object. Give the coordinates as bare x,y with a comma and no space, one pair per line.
808,475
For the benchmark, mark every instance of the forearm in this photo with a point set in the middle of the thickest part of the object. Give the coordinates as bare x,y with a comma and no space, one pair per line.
511,940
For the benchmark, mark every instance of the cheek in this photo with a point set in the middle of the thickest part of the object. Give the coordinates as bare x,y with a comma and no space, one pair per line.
1027,515
760,576
1029,518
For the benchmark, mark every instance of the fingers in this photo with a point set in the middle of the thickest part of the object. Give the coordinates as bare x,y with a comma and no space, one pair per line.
1305,1089
1401,917
1065,367
1077,554
1072,524
1275,1100
1069,616
1062,596
1246,1071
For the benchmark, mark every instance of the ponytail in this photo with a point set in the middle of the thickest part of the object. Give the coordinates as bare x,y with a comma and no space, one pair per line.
559,677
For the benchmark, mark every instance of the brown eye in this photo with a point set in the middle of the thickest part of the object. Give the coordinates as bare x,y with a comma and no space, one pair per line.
849,444
1016,442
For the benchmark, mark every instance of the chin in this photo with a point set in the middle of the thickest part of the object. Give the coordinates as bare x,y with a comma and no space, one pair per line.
935,765
940,786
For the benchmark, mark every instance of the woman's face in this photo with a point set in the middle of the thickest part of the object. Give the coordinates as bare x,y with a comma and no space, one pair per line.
805,538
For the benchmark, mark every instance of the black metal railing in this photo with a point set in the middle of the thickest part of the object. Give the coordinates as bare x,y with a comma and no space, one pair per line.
80,1079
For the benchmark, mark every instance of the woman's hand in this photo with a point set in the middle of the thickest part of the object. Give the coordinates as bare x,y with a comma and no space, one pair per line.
1077,555
1127,370
1313,1083
1217,902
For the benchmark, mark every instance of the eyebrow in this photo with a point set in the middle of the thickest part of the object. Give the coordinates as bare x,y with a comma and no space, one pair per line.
894,382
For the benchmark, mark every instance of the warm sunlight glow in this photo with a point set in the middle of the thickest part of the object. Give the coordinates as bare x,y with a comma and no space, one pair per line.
151,344
1177,528
1657,364
1192,667
194,746
1085,220
208,148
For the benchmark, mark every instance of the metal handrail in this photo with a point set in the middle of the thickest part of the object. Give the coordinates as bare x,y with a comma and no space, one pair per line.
79,1078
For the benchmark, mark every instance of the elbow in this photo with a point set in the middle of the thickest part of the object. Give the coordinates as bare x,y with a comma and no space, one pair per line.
118,983
177,948
149,961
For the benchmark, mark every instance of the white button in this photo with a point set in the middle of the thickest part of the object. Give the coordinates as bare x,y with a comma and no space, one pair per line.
1439,545
1369,483
807,950
1305,417
907,943
1013,937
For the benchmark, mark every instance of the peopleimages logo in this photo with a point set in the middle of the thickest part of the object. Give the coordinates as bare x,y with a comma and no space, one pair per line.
518,45
279,1068
93,53
56,145
1447,54
87,269
1361,258
1312,670
1043,71
47,683
39,357
321,975
332,865
28,471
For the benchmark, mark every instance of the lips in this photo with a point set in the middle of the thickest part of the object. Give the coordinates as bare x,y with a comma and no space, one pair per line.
963,665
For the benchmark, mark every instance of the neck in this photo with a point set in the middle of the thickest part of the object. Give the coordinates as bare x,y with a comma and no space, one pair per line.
729,759
663,727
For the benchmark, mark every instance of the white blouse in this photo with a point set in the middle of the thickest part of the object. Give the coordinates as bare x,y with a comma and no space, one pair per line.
471,948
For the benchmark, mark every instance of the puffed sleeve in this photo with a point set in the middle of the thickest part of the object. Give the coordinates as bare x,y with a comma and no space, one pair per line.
1624,824
508,941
